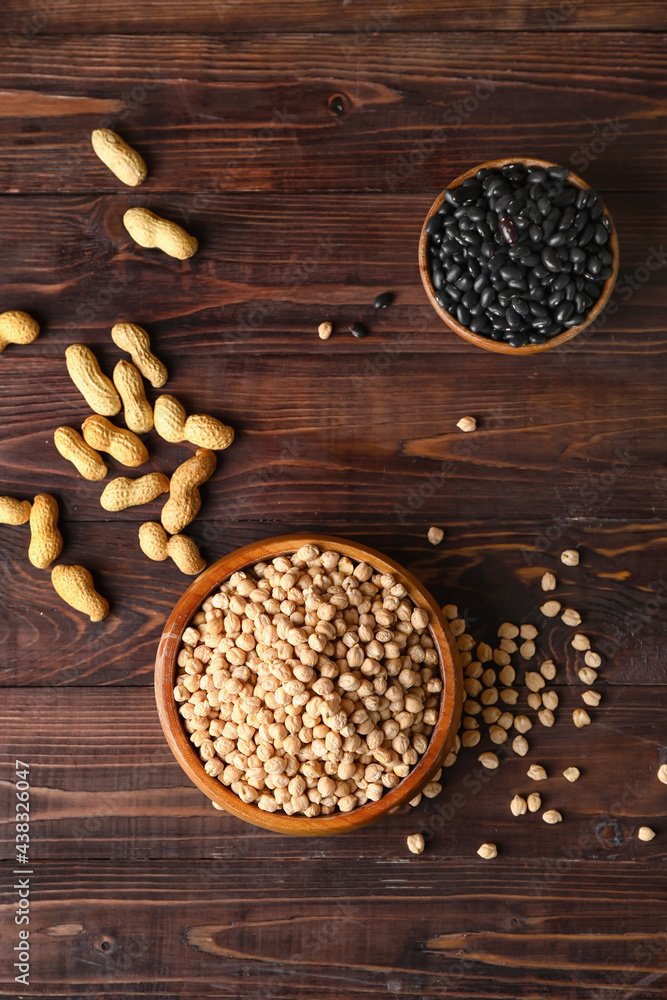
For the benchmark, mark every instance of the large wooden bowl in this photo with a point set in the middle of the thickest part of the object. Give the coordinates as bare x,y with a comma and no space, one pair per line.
500,347
186,754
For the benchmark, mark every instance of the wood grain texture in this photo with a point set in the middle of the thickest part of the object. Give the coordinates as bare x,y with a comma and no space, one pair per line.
436,929
620,589
597,108
102,776
22,21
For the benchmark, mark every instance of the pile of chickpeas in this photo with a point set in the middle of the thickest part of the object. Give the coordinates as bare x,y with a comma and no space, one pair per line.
310,683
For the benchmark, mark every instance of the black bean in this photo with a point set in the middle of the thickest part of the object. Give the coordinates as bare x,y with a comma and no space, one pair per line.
541,321
443,300
593,288
487,296
587,235
544,205
470,299
359,330
537,309
557,240
513,318
552,331
581,198
570,290
496,187
437,278
605,273
510,272
535,233
556,298
547,228
465,282
577,254
581,220
462,315
434,225
520,306
383,300
481,281
487,249
475,213
605,256
453,273
537,338
502,203
504,298
551,259
567,218
568,197
558,173
593,264
560,281
498,261
575,320
536,175
517,339
450,247
563,254
564,311
453,292
507,229
472,238
596,210
519,250
479,324
601,235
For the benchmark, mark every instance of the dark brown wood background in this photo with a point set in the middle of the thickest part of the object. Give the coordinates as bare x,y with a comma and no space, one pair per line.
306,207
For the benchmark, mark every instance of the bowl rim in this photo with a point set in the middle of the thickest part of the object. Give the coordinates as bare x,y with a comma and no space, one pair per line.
499,347
444,732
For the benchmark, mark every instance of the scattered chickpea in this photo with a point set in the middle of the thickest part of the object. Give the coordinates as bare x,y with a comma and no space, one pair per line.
488,851
457,626
417,799
662,773
571,773
507,676
501,658
508,631
484,652
489,760
528,632
548,670
522,723
581,641
534,700
325,330
645,833
467,424
508,645
450,611
546,717
550,609
534,802
552,816
520,745
416,843
592,698
518,806
505,719
491,714
536,772
571,617
548,581
534,681
433,789
509,696
587,676
497,734
550,700
592,659
527,650
471,738
435,535
570,557
581,718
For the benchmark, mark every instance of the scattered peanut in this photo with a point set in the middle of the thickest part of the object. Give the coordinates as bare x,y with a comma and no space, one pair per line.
130,387
581,641
325,330
17,327
518,806
534,802
645,833
121,159
489,760
570,557
488,851
122,492
536,772
552,816
135,341
46,542
571,773
592,698
184,500
550,609
121,444
571,617
86,460
152,231
156,544
548,581
520,745
467,424
173,425
75,585
435,535
580,717
415,843
14,511
97,390
662,773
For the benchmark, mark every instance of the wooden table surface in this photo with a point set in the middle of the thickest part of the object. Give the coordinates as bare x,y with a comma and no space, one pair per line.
303,143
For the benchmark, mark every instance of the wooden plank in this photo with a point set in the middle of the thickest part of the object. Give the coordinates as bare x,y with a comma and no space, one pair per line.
22,22
491,571
416,108
415,928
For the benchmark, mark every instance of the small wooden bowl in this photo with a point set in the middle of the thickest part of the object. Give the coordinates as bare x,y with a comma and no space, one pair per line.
186,754
500,347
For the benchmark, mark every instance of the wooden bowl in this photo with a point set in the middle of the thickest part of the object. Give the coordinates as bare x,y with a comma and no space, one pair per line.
499,347
186,754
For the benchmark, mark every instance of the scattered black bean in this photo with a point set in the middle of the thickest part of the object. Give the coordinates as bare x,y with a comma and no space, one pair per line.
385,299
359,330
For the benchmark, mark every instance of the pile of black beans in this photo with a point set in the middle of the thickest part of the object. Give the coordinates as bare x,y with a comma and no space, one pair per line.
519,254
